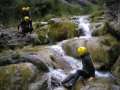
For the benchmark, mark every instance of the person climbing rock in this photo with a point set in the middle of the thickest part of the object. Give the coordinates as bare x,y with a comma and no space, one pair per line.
25,25
87,72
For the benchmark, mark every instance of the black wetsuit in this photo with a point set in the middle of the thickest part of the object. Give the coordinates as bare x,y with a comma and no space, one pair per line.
88,67
26,26
87,71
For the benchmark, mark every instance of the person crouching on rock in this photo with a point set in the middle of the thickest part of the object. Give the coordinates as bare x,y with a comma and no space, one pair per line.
25,25
87,73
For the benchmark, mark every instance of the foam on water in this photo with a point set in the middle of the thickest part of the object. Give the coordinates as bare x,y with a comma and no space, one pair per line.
74,63
84,24
102,74
58,74
58,49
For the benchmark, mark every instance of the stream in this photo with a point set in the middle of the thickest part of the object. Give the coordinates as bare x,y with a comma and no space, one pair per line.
84,24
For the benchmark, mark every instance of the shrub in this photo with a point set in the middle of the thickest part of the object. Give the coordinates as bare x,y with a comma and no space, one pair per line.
61,31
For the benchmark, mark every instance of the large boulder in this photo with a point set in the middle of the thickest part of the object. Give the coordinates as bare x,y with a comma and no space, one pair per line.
14,57
57,29
43,57
114,53
11,39
17,76
97,50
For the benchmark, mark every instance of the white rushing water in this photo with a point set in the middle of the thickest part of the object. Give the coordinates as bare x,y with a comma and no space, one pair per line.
74,63
83,23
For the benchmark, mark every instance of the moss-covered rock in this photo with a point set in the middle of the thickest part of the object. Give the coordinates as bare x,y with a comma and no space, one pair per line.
16,76
58,29
61,31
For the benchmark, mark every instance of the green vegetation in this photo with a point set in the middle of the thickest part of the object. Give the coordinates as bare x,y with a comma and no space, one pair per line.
42,9
57,31
61,31
39,9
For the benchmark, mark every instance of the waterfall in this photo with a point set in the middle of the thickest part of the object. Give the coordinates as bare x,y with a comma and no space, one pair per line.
74,63
83,23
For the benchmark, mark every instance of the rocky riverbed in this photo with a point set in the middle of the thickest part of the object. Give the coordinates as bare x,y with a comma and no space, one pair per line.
25,64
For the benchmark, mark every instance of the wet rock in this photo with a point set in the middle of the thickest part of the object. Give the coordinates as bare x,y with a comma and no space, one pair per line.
113,53
60,62
116,70
97,50
11,39
17,76
47,82
8,57
13,57
36,60
99,84
41,84
42,57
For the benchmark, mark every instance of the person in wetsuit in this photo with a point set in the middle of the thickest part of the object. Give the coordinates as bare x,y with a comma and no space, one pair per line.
25,25
25,11
87,72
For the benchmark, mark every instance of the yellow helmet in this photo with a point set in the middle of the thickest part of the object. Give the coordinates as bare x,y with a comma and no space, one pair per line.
25,8
26,18
82,50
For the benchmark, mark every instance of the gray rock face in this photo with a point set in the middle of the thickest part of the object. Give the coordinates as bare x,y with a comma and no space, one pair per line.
113,15
10,38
